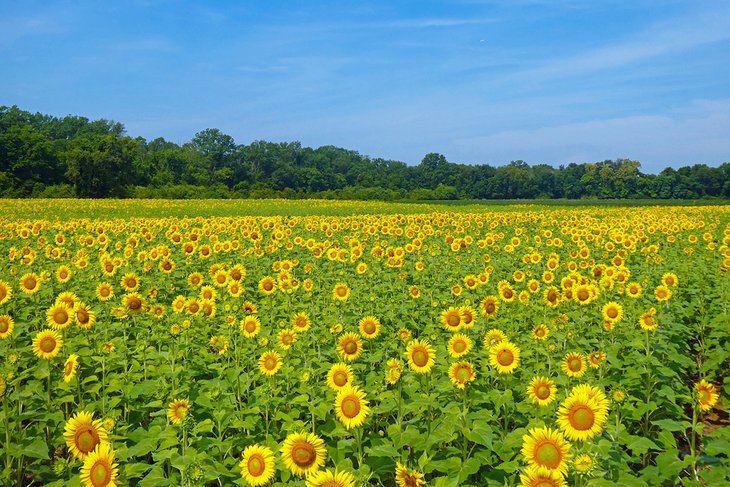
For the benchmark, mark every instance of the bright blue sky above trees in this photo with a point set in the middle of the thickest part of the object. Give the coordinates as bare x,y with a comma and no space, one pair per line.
480,81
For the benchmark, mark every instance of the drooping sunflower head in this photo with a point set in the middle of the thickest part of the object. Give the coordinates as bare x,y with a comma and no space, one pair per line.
70,367
648,321
421,356
303,453
258,465
84,316
83,434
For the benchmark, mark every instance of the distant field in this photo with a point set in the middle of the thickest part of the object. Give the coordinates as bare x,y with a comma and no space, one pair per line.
111,208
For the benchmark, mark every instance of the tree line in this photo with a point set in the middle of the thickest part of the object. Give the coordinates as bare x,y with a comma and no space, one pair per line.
72,156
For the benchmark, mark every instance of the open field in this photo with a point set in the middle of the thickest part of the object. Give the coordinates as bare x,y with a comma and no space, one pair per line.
261,342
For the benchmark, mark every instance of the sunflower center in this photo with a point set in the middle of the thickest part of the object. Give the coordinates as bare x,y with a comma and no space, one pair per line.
350,347
459,346
582,417
68,368
82,316
47,344
505,357
453,320
575,364
542,391
368,327
256,465
612,312
341,291
60,316
270,363
86,439
540,332
104,292
3,293
704,396
489,308
420,357
268,286
134,303
350,406
582,295
250,327
4,326
339,378
548,454
303,454
100,474
30,283
462,374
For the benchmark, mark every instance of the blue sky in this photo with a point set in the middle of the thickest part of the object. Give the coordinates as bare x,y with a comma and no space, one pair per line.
480,81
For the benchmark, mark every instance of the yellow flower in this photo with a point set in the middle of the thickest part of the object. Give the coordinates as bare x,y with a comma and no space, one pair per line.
583,413
328,478
574,364
339,376
47,344
421,356
706,395
541,477
7,325
303,453
351,406
257,465
461,373
504,357
270,362
369,327
99,468
459,345
546,447
542,391
349,346
70,367
177,410
408,478
83,434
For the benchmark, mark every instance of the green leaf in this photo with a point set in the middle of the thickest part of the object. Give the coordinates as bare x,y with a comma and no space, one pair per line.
671,425
35,448
642,445
384,450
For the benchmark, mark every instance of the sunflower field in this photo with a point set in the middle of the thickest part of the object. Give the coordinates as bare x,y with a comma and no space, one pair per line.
346,344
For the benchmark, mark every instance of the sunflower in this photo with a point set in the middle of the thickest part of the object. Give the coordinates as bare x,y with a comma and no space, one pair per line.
540,332
451,319
494,337
583,463
7,325
328,478
633,290
301,322
459,345
583,413
341,291
405,477
574,364
414,292
286,339
6,292
257,465
595,359
394,369
339,376
670,280
83,434
506,293
267,285
130,282
70,367
542,391
648,320
461,373
662,293
85,316
303,453
490,306
350,346
177,410
706,395
47,344
421,356
99,469
250,326
104,291
468,317
504,357
235,289
30,283
541,477
546,447
270,362
237,273
63,274
612,312
551,296
133,302
404,334
250,308
195,279
351,406
369,327
585,294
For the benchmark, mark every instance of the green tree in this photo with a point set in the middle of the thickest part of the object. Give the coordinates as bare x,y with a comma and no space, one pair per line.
101,166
